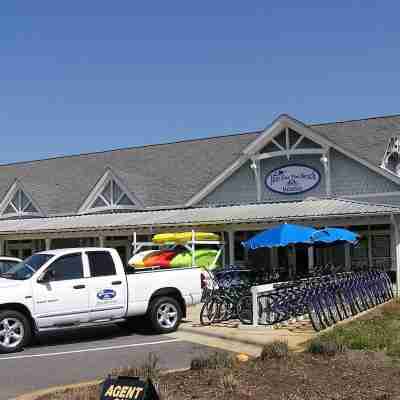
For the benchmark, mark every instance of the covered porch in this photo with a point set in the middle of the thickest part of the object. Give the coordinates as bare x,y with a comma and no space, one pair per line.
377,225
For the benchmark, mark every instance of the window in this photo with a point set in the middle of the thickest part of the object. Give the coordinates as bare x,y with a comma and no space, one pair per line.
110,193
6,265
68,267
20,204
101,263
25,269
112,196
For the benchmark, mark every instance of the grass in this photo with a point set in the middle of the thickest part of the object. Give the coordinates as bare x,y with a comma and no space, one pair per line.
379,331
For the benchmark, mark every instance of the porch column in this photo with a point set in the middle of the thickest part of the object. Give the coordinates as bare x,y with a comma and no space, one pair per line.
310,258
396,225
48,243
231,244
347,256
2,250
102,241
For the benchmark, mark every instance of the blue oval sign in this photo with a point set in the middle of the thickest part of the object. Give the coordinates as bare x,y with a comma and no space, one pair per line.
106,294
292,179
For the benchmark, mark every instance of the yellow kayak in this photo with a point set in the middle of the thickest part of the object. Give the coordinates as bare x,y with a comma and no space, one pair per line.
182,237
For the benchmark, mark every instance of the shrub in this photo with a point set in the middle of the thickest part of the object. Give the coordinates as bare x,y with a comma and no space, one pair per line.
148,369
276,349
325,347
214,361
229,382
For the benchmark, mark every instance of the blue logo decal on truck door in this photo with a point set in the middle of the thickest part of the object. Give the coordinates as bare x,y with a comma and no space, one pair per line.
106,294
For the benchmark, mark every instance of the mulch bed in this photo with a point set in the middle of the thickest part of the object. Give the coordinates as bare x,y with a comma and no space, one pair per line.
352,376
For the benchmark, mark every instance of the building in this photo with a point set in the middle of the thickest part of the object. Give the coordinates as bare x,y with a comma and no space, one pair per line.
336,174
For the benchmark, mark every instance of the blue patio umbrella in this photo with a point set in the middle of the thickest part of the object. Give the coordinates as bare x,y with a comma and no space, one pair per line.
335,235
281,235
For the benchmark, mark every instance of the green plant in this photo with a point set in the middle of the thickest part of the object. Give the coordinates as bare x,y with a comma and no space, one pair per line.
325,347
148,369
229,382
276,349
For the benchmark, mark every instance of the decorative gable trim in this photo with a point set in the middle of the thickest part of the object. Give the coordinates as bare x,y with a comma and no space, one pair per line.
19,203
118,196
268,136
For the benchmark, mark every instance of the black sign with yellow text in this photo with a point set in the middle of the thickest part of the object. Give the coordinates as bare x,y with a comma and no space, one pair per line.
127,388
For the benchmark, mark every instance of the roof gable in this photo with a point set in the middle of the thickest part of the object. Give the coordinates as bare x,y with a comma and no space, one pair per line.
110,193
19,203
271,139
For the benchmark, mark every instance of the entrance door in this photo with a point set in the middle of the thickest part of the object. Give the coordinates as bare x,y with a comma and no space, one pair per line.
64,300
107,290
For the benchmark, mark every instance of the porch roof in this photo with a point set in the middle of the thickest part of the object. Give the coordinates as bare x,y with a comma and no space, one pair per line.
233,214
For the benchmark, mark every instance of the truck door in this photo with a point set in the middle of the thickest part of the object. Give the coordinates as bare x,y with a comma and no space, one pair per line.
63,299
107,289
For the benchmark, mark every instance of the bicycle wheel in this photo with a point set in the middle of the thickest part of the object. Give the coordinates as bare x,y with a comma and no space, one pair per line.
325,311
315,316
344,305
273,309
209,312
245,310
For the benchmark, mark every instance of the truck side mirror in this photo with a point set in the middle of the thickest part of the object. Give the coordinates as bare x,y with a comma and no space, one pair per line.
47,276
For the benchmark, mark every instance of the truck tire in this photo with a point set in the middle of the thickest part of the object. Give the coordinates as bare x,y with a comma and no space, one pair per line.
165,314
15,331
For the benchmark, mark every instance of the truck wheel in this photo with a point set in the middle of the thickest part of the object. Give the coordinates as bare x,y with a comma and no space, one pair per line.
15,331
165,314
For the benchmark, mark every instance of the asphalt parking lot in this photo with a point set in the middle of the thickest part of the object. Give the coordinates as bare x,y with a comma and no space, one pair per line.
86,354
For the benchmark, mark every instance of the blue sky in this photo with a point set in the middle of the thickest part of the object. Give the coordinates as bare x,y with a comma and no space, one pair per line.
80,76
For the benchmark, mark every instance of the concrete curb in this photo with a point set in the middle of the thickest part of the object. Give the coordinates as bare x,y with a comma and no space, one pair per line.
223,336
217,335
54,389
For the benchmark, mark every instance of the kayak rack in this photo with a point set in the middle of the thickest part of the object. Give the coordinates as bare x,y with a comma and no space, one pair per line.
189,245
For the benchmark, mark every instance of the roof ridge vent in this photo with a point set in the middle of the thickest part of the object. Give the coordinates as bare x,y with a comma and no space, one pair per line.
391,159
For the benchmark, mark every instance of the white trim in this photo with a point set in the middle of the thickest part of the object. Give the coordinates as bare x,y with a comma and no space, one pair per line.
380,194
277,145
268,135
17,185
287,138
108,176
299,140
263,156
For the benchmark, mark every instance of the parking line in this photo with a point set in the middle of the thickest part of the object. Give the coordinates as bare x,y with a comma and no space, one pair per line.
124,346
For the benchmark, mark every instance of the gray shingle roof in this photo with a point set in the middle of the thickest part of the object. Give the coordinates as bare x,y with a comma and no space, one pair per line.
252,213
366,138
170,174
159,175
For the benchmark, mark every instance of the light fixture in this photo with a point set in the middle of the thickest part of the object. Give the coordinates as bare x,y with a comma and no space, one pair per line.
324,159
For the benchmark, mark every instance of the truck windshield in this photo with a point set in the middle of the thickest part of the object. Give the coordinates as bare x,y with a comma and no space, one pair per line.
25,269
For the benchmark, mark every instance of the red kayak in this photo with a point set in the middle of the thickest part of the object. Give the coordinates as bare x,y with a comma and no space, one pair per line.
161,259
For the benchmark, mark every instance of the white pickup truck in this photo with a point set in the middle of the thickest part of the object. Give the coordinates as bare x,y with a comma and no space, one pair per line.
58,289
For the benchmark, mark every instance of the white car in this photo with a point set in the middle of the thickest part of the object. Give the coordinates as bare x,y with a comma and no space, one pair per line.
7,263
59,289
